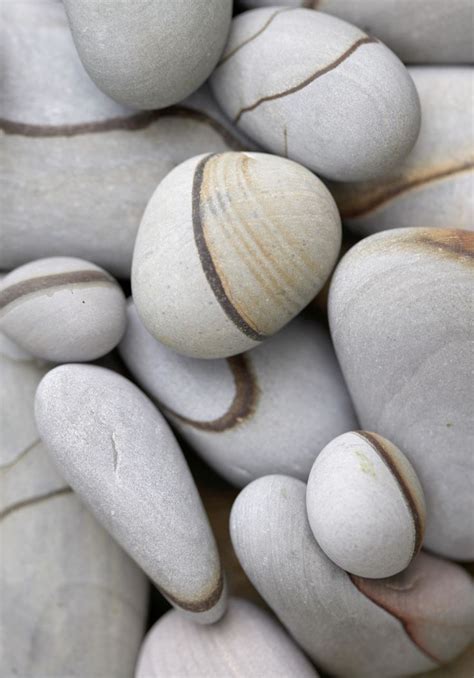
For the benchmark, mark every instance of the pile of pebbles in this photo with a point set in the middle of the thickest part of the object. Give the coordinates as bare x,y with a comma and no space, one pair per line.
238,239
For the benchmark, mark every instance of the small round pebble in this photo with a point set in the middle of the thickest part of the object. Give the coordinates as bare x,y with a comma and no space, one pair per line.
62,309
231,247
365,505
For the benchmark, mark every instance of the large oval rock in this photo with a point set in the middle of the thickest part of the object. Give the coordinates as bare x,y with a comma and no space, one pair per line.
434,186
401,321
246,642
117,452
318,90
349,626
270,410
73,603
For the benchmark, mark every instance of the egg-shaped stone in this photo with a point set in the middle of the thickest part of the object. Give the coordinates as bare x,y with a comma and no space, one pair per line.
349,626
400,312
421,32
62,309
246,642
231,247
270,410
365,505
149,55
77,168
434,185
72,602
117,452
318,90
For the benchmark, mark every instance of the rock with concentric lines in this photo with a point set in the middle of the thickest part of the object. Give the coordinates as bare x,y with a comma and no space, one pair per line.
231,247
365,505
434,186
349,626
62,309
73,603
153,54
269,410
421,32
246,642
318,90
401,322
117,452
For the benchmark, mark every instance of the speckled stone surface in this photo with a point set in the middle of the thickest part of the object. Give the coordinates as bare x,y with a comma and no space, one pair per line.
114,448
152,54
247,642
348,625
62,309
231,247
73,603
434,186
424,32
76,168
270,410
318,90
365,505
401,322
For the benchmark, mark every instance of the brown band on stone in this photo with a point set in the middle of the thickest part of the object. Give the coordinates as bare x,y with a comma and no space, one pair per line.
203,605
307,81
34,500
456,243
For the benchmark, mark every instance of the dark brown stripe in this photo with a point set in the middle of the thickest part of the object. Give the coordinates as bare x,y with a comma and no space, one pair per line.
198,605
206,258
132,123
308,81
44,282
406,623
34,500
243,404
412,506
453,242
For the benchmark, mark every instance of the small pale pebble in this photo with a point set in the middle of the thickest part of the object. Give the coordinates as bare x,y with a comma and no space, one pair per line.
365,505
117,452
349,626
246,642
62,309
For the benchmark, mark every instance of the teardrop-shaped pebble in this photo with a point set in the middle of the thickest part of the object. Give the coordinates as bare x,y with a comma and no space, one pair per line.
117,452
246,642
401,321
76,168
316,89
349,627
152,54
365,505
421,32
434,186
270,410
62,309
72,602
231,247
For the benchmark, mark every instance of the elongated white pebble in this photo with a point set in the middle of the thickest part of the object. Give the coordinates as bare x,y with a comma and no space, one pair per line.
117,452
365,505
246,642
231,247
269,410
73,603
349,626
62,309
318,90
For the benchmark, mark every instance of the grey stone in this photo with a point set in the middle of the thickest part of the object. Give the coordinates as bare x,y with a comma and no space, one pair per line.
113,447
231,247
316,89
246,643
62,309
349,626
270,410
401,320
434,186
151,54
